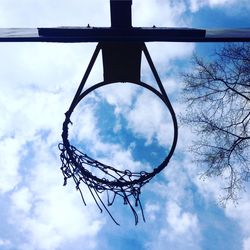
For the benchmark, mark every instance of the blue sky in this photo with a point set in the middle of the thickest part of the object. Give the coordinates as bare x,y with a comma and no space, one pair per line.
122,125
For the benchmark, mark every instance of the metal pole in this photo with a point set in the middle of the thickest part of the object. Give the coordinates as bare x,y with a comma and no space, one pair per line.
120,11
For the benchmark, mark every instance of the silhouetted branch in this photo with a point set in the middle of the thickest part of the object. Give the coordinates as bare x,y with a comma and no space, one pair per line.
217,94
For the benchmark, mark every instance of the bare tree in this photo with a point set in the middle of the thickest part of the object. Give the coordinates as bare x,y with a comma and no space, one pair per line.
218,110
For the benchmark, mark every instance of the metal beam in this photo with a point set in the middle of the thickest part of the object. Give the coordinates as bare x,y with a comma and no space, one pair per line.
120,12
91,34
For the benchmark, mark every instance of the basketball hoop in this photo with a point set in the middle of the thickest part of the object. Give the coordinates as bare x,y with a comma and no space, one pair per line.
122,63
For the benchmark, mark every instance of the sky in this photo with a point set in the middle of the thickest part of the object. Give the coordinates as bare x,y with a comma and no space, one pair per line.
122,125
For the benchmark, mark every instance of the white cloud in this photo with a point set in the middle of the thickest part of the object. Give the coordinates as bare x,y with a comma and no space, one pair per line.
41,207
151,210
85,129
178,223
159,13
123,159
5,243
150,119
120,95
54,13
196,5
240,213
164,54
44,207
22,200
183,229
178,228
11,153
246,244
181,222
84,123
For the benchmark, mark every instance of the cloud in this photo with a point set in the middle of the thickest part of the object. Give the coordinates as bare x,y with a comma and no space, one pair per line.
22,200
183,231
196,5
176,216
119,95
246,244
151,209
11,152
54,13
33,112
149,118
180,222
170,13
5,243
178,226
43,207
240,213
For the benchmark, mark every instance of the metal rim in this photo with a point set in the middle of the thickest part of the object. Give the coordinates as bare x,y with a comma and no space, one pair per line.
144,176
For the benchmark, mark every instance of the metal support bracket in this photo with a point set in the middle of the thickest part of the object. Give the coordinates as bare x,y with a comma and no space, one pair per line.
122,61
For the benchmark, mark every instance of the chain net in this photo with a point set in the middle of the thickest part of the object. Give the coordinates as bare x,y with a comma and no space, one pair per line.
116,183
